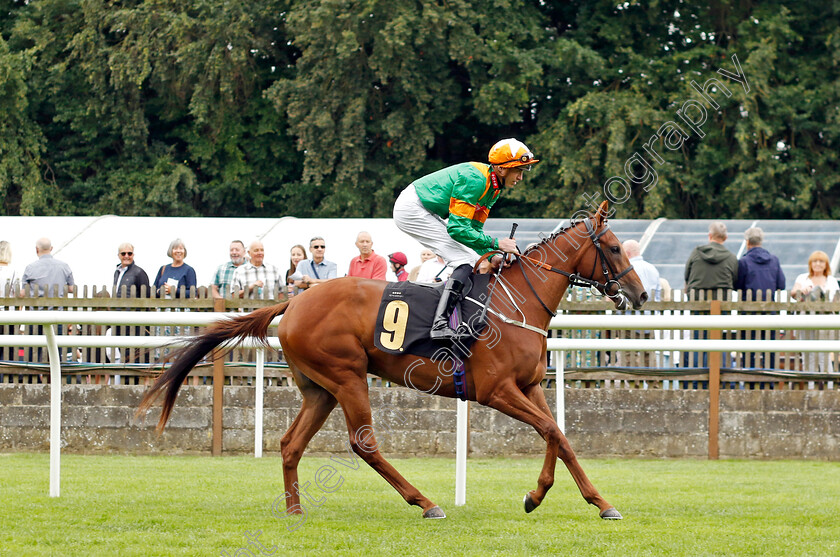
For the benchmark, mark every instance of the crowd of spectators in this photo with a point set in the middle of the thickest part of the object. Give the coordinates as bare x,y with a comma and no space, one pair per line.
711,268
246,274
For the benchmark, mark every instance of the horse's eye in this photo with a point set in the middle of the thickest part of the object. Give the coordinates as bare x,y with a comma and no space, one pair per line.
615,249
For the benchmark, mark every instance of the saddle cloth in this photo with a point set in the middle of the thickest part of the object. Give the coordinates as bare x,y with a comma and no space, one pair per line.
407,310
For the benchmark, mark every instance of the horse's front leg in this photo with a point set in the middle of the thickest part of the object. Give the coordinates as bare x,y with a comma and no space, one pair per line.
564,450
508,399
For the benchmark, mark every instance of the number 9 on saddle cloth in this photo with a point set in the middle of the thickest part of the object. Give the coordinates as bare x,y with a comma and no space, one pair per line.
407,310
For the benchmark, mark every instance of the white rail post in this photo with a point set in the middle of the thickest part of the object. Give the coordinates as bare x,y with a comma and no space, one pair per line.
258,404
560,386
55,411
461,453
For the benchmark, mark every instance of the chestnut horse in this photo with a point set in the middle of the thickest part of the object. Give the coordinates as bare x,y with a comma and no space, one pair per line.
327,335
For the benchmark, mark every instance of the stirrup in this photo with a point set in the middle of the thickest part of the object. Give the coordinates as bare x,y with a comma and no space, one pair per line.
447,332
443,332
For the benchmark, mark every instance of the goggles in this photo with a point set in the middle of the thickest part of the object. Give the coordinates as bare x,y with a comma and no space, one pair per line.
525,160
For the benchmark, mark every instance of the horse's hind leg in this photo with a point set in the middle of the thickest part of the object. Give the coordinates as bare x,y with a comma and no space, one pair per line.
316,408
536,395
355,402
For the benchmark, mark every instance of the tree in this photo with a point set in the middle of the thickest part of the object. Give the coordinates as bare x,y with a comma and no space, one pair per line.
381,85
331,107
22,190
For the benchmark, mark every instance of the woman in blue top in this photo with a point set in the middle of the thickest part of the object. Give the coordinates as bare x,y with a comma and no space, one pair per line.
170,278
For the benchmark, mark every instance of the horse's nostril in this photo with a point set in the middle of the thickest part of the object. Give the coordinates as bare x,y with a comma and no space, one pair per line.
644,297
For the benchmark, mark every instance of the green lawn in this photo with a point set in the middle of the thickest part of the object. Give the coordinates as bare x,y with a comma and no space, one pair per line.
119,505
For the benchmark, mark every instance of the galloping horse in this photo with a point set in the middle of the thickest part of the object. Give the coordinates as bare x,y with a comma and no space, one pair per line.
327,335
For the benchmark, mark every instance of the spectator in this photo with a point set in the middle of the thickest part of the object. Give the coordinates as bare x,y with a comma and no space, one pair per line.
296,255
128,274
7,273
425,255
51,276
368,264
256,279
398,262
47,277
223,277
647,272
816,285
8,289
433,271
712,266
170,278
649,276
314,271
759,271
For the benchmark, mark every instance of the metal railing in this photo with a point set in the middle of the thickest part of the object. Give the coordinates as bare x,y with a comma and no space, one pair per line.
715,323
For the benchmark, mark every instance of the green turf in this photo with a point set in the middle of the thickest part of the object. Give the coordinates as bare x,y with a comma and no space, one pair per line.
119,505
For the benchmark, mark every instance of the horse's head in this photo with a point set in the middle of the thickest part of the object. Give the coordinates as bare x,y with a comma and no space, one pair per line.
605,263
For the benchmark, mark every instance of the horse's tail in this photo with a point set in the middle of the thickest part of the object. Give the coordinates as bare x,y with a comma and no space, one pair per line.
254,324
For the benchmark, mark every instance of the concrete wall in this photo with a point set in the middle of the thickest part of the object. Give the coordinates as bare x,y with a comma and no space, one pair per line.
599,423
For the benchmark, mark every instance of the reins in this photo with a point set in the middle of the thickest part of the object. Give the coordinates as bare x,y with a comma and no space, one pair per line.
611,288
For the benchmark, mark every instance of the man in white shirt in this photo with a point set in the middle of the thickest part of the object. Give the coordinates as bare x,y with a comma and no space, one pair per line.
433,270
650,280
256,279
647,272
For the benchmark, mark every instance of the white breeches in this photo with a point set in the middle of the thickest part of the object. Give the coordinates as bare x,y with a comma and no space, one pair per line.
429,229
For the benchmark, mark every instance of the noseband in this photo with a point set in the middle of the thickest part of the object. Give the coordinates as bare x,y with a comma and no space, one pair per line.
611,288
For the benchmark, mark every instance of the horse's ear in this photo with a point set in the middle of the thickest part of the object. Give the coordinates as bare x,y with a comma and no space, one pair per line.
602,213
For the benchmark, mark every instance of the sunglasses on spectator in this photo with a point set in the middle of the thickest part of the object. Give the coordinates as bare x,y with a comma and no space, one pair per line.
318,247
126,253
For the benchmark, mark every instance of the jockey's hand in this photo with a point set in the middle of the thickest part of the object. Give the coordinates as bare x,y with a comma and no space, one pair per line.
508,245
497,260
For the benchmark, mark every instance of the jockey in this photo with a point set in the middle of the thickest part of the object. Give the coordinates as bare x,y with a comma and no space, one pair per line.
398,262
445,211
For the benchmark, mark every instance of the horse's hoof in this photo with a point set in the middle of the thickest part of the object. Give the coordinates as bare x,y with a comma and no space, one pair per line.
611,514
434,512
529,503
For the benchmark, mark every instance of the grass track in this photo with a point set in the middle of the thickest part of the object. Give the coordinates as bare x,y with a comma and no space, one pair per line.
121,505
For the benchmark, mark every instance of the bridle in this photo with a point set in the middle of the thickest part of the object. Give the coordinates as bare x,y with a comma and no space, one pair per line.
611,288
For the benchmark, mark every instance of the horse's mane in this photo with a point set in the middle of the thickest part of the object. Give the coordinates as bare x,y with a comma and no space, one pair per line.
559,232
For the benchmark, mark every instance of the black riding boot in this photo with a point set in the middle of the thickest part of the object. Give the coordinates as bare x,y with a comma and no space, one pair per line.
448,300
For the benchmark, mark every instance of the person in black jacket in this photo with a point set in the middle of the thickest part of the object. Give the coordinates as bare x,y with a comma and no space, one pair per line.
128,274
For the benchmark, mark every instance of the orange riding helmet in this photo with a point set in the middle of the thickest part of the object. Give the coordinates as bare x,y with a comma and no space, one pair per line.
510,153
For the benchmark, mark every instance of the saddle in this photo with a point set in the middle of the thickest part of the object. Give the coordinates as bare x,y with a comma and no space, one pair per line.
406,312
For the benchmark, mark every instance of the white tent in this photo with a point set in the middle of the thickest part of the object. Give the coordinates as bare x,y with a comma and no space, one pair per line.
89,244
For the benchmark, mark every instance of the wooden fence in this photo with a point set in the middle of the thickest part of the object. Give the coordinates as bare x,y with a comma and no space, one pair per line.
663,369
129,366
584,368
